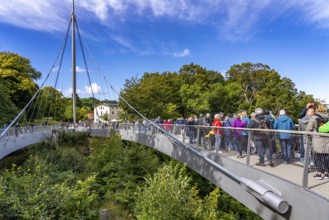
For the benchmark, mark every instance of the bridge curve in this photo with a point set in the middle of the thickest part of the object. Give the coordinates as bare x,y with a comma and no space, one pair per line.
289,199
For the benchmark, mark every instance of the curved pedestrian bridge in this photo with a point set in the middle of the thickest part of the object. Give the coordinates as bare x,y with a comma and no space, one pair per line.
285,191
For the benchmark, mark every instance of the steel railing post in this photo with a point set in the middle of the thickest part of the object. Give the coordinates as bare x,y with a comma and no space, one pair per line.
248,148
198,136
307,148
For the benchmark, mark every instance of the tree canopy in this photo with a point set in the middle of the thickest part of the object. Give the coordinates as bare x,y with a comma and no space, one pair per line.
20,76
194,90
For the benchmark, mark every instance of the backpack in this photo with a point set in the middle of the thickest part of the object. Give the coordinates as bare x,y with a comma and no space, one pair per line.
320,121
272,120
261,124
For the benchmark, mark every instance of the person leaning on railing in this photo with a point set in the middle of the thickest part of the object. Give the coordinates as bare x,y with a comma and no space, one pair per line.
321,153
284,122
261,138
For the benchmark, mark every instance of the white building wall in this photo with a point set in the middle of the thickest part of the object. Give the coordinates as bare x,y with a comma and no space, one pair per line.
112,111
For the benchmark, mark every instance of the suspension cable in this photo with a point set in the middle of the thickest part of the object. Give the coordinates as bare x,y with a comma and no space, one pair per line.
84,59
59,68
33,97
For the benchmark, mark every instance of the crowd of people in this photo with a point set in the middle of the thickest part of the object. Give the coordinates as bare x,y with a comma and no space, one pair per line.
228,135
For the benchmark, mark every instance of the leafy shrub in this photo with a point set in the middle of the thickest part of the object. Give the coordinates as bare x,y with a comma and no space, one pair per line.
169,195
120,169
72,138
30,193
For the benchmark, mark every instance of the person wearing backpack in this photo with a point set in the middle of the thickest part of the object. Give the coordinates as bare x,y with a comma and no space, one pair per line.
269,116
245,119
261,138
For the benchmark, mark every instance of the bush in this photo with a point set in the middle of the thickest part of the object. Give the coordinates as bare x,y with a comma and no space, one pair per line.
169,195
72,138
120,169
30,193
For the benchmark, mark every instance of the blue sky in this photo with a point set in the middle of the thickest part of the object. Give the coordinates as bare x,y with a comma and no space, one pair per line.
130,37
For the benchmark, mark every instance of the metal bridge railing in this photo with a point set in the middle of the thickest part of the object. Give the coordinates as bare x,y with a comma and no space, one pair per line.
297,157
19,131
301,158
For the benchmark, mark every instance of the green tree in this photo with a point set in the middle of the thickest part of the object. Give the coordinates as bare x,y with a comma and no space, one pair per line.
169,195
48,104
153,89
106,116
251,77
194,89
194,74
120,170
225,97
29,192
278,94
194,99
263,87
89,102
82,113
8,110
20,76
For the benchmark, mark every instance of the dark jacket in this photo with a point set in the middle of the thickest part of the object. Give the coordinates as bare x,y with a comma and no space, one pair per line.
226,131
191,126
259,135
303,112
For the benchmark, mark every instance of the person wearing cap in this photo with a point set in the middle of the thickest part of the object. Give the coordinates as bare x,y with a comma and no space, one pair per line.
284,122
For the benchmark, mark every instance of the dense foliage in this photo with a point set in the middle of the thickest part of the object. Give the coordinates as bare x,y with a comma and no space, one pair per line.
194,90
169,194
75,180
49,185
189,91
18,85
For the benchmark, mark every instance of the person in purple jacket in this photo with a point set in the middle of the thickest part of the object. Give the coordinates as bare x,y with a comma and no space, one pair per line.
237,133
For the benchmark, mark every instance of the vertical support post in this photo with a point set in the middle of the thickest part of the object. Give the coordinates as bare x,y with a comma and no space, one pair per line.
248,148
74,88
307,159
198,137
183,133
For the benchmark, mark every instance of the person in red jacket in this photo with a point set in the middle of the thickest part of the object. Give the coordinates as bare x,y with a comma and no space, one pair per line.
217,132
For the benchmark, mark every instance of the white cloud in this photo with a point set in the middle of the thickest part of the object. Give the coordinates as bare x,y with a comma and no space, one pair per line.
55,69
234,20
87,90
80,69
69,91
184,53
93,88
50,15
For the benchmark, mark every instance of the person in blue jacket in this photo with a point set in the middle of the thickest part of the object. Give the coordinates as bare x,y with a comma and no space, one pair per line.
283,122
